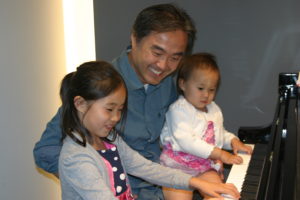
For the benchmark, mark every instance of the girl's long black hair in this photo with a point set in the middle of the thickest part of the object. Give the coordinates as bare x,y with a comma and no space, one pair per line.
92,81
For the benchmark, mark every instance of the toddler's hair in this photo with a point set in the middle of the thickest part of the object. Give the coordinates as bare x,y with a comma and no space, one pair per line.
92,81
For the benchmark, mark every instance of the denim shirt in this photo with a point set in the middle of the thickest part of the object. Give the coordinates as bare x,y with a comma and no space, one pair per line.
144,122
146,109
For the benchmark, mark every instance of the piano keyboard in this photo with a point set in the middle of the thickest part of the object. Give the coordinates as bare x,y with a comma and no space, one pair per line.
246,176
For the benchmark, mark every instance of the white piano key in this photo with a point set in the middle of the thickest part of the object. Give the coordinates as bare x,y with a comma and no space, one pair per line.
238,172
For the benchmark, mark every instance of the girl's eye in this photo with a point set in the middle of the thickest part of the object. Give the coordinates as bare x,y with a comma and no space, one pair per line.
109,109
200,88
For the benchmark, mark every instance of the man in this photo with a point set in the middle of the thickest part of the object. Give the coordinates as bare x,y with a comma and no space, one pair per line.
160,37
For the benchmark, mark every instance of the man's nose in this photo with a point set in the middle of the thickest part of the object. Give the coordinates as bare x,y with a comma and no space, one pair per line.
162,63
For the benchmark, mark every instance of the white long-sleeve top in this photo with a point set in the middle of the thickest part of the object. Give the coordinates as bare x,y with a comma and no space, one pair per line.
185,126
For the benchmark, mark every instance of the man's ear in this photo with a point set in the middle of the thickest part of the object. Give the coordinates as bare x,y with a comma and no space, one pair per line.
133,40
80,104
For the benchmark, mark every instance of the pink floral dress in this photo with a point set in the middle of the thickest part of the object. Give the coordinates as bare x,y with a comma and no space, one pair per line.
186,162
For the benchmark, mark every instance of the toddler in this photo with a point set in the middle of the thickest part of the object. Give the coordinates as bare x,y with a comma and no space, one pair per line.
193,135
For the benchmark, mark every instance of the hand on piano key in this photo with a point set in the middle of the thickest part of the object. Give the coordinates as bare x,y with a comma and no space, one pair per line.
238,172
212,189
229,158
227,197
238,146
246,175
225,157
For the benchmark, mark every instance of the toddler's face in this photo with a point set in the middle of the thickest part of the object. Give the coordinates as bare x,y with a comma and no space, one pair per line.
200,89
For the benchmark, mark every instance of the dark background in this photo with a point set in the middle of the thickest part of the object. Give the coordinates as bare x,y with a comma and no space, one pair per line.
253,40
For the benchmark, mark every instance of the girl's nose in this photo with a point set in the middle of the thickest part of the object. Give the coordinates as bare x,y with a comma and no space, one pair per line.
116,117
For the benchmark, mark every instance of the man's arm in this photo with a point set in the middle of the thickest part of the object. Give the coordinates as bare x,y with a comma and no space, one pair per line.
46,151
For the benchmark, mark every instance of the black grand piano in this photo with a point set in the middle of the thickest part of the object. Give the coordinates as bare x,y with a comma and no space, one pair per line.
274,169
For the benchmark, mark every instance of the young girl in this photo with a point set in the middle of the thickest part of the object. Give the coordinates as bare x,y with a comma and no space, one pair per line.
94,160
193,134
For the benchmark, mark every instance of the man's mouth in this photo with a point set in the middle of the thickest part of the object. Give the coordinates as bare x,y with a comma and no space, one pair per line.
155,71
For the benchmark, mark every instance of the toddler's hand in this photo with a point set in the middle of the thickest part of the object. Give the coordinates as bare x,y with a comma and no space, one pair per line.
237,145
230,159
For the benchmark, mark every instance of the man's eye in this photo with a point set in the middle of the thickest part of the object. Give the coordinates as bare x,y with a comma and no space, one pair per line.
156,54
175,59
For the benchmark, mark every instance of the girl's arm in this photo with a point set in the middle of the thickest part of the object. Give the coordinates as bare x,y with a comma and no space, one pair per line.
137,165
80,172
214,189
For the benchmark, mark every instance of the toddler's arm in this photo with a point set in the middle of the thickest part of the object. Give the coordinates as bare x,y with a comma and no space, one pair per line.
224,156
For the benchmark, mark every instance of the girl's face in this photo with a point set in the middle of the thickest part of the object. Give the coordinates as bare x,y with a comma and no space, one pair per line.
200,88
101,115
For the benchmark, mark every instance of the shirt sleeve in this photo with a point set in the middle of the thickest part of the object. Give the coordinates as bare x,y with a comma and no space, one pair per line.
227,139
81,173
46,151
226,135
182,128
152,172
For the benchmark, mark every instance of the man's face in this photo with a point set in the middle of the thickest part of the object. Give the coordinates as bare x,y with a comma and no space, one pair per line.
157,55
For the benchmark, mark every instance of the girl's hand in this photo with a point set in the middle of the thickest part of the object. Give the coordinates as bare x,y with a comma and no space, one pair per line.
214,189
237,145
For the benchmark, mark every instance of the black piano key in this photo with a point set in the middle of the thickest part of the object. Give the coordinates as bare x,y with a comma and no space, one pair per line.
250,188
254,171
251,182
248,195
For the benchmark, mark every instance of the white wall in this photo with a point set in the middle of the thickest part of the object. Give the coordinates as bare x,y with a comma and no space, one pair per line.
32,63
